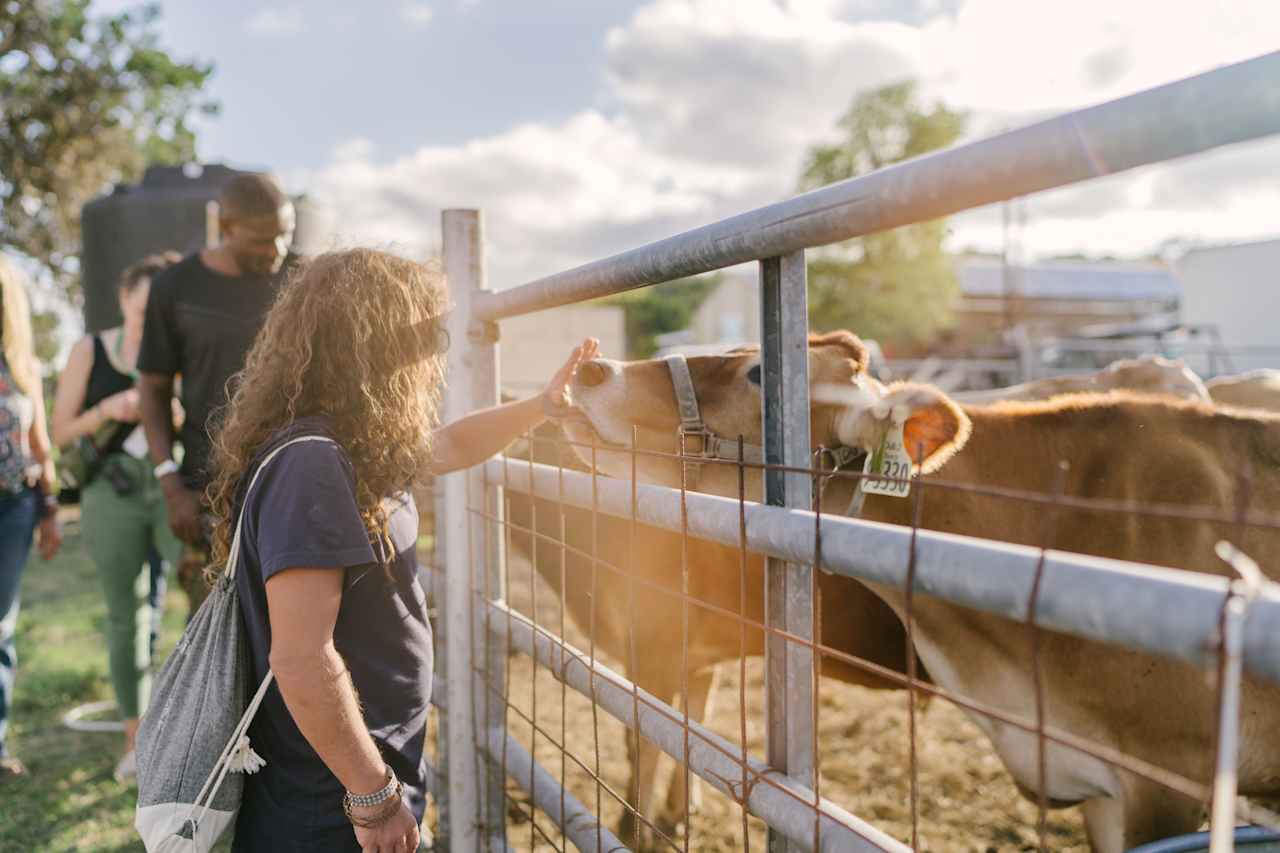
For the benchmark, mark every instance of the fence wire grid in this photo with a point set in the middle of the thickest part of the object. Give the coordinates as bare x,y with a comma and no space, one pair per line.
515,628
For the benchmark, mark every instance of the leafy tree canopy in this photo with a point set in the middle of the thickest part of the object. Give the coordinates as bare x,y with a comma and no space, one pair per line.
662,308
87,100
895,286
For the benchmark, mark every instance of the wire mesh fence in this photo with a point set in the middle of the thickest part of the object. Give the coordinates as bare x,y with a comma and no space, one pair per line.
593,592
952,658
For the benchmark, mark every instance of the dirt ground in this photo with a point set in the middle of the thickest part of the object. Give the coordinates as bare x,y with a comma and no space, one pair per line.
966,802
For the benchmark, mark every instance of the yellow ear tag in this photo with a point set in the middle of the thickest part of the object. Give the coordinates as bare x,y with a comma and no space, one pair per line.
889,460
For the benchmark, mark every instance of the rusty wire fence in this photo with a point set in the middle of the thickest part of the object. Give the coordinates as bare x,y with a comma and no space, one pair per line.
583,619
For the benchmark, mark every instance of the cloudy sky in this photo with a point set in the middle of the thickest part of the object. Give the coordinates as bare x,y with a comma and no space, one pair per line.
586,127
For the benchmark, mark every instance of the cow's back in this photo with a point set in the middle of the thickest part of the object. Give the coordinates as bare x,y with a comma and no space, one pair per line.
1125,452
1257,389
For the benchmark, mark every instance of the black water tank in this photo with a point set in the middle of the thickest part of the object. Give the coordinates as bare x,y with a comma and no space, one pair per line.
167,210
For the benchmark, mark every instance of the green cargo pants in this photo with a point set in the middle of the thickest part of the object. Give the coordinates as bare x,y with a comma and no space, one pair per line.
119,531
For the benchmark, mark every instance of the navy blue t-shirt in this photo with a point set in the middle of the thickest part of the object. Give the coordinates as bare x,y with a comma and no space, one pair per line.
303,513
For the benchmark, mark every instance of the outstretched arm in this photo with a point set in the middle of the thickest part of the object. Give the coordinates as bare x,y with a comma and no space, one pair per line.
474,438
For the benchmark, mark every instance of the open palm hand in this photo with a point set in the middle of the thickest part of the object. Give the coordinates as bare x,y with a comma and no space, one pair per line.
557,398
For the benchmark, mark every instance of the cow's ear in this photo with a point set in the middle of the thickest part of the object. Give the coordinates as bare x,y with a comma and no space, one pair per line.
934,427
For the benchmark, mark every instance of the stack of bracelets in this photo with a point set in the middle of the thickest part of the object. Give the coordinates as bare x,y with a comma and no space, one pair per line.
387,799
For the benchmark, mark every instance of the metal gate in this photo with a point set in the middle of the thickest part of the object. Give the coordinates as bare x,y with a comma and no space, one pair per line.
1082,596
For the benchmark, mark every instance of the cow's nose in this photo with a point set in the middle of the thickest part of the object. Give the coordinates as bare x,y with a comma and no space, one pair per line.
593,373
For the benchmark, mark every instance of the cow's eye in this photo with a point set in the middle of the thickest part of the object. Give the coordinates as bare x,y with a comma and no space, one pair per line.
753,375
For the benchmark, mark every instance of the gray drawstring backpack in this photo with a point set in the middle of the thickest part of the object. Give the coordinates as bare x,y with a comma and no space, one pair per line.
193,741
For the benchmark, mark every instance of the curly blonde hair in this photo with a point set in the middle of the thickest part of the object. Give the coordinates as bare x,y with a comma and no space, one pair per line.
356,335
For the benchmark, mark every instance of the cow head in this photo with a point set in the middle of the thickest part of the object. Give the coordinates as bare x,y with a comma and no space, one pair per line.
620,402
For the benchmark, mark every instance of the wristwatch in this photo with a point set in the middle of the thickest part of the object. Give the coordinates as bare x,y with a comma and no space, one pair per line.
165,468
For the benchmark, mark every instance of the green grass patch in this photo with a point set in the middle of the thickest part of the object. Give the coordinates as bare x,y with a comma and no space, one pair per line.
68,801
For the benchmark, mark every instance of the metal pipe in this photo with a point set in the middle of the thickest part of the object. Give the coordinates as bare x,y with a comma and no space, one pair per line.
781,802
1227,105
1161,611
461,247
1223,812
437,585
789,688
1235,611
580,826
466,242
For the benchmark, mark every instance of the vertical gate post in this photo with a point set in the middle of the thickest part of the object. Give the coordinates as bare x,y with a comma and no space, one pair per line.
439,561
784,327
476,665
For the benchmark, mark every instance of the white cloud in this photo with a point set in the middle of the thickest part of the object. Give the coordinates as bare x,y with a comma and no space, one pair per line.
276,21
416,15
1014,62
709,106
1014,55
749,80
552,195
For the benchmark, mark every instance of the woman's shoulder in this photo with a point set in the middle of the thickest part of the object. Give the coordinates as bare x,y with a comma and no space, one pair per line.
306,449
81,354
83,348
310,432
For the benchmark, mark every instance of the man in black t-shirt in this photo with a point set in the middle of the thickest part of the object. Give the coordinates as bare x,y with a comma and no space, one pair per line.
202,317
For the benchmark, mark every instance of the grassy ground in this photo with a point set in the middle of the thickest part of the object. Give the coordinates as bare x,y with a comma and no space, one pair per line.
68,801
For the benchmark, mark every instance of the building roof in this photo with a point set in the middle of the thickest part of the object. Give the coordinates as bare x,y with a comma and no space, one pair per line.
1092,280
1268,245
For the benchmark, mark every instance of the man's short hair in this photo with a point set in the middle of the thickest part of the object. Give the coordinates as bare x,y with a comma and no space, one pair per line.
147,269
250,195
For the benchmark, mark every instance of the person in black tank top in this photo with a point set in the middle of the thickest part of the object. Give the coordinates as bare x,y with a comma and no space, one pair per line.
107,380
123,514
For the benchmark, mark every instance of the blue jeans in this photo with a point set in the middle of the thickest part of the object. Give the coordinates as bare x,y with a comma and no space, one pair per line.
17,524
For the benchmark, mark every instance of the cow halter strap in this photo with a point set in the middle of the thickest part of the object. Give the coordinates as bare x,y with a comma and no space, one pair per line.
708,444
711,446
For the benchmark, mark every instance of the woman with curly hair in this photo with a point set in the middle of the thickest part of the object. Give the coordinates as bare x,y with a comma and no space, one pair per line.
328,582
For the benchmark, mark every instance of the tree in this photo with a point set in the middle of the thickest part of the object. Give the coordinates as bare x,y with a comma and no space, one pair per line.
667,307
895,286
86,101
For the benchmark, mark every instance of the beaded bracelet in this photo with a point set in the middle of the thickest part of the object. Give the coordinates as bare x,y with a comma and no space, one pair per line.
386,794
384,813
377,797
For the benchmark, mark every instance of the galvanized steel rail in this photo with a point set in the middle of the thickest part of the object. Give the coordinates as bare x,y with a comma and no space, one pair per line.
782,802
1231,104
1166,612
581,826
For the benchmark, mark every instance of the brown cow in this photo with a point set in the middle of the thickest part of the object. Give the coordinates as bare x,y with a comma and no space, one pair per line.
1119,447
716,578
1150,374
